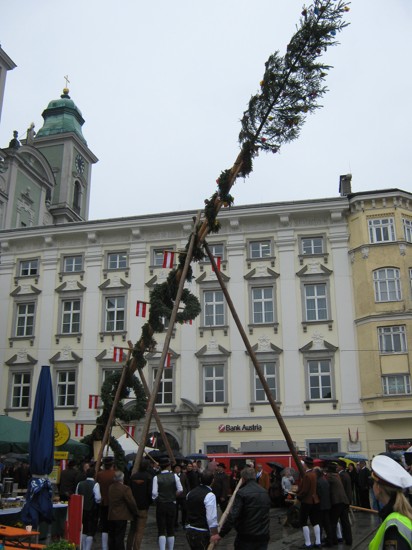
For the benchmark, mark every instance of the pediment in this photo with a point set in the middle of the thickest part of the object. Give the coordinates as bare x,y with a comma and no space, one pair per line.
210,277
318,344
314,268
21,358
264,345
65,356
261,272
24,290
212,348
114,282
71,285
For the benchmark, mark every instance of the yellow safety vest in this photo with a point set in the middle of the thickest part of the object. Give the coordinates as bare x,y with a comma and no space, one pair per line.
402,523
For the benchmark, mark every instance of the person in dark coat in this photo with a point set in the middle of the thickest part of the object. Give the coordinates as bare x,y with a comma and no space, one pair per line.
141,485
220,486
364,475
181,499
249,515
192,476
122,508
105,478
68,481
323,491
339,505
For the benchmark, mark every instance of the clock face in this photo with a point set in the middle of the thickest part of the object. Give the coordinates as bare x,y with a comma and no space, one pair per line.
80,164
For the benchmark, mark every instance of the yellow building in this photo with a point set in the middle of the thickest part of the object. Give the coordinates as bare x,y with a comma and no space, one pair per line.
380,227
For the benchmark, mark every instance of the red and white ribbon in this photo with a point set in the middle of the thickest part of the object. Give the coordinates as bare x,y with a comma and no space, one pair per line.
168,258
141,309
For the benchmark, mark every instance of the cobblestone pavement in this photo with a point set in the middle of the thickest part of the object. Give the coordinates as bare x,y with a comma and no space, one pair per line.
282,538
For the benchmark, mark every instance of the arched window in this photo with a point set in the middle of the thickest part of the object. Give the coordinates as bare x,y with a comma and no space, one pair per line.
387,284
76,197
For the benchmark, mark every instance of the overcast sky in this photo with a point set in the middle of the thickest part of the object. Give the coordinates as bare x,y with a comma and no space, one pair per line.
162,86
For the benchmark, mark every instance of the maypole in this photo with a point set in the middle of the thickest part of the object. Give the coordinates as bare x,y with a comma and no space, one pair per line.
290,89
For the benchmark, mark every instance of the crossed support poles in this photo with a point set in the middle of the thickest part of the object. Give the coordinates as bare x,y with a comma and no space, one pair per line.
151,409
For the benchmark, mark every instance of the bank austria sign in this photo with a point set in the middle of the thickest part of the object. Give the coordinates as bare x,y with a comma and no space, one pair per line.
240,428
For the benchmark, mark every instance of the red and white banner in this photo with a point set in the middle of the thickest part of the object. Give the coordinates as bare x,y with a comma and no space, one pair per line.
153,440
141,309
168,258
130,430
93,400
189,322
218,261
119,355
168,360
79,430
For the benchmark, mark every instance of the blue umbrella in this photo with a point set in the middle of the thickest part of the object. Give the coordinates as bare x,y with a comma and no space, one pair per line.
39,506
355,457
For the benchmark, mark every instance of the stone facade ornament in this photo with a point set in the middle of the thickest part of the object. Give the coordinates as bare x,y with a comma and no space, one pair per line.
264,343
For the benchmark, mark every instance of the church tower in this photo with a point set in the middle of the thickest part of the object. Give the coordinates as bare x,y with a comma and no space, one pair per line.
62,143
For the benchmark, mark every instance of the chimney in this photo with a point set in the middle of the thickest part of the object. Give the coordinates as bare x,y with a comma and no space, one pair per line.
345,187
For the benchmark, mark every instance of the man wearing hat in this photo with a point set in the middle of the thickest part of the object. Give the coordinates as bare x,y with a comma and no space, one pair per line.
166,486
221,485
390,479
105,478
309,504
339,501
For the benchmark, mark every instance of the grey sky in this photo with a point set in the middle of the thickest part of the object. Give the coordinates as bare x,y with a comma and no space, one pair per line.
162,86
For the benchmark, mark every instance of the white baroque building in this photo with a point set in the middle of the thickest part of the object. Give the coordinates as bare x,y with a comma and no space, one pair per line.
69,288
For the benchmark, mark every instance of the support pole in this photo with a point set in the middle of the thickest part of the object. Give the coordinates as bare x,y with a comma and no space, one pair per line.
155,413
135,440
169,333
255,362
109,424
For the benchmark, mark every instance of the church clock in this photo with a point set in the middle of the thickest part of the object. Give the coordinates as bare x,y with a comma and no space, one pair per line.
80,164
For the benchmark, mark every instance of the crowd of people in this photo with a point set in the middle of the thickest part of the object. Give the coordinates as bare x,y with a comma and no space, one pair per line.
191,498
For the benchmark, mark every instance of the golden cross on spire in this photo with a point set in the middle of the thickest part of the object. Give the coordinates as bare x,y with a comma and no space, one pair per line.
66,78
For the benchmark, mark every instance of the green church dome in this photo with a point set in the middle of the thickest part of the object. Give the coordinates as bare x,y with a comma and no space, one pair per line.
62,116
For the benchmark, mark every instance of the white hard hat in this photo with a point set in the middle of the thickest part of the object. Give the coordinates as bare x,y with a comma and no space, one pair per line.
387,471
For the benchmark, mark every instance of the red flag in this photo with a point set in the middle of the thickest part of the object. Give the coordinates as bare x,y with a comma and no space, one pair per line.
130,431
118,355
141,309
153,440
78,430
168,258
93,399
168,360
189,322
218,261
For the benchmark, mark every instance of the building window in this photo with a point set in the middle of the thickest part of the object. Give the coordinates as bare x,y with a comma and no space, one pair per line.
269,372
157,256
396,384
319,448
320,379
116,260
387,285
213,384
20,390
165,394
316,305
70,317
217,250
66,388
115,314
73,264
260,249
29,268
407,228
262,305
312,245
25,319
77,197
392,339
381,230
214,308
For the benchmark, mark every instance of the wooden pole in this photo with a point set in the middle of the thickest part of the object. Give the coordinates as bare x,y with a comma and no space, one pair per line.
360,509
226,512
111,419
255,362
169,332
155,413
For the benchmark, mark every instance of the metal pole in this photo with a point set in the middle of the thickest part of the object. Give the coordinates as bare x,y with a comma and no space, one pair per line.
255,362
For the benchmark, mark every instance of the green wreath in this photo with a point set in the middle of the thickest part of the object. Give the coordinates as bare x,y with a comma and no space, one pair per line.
109,387
119,456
